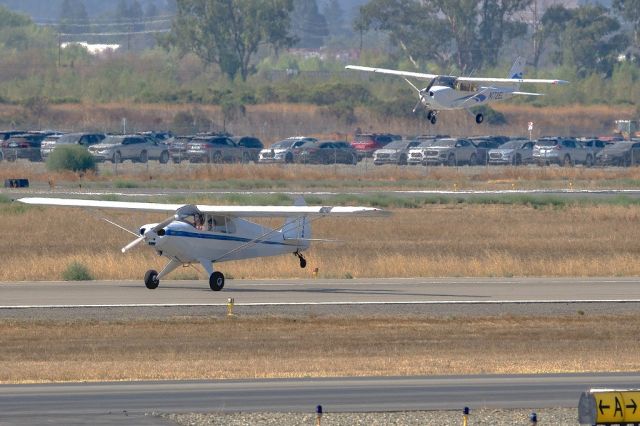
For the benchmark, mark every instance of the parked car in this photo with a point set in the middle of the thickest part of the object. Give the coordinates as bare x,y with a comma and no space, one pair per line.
326,152
594,144
84,139
25,145
624,154
451,152
178,148
215,149
366,144
563,151
515,152
137,148
281,152
250,146
416,154
397,152
486,143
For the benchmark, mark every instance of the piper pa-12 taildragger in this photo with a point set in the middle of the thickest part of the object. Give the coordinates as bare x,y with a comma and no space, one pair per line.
448,92
211,234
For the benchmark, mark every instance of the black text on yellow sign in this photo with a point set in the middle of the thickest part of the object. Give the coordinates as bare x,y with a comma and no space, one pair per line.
609,407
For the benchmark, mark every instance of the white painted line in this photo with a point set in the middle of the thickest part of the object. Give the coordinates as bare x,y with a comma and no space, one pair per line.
418,302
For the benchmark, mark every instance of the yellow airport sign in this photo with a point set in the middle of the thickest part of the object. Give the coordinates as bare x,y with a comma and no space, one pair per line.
609,407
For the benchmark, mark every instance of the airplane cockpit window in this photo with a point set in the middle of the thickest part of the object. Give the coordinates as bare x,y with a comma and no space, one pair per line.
466,86
444,80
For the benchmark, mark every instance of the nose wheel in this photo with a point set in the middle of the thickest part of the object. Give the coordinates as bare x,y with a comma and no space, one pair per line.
432,116
303,261
151,280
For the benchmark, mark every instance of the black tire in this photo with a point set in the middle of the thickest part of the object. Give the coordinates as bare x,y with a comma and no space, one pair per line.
144,157
589,161
151,280
403,160
479,118
288,158
217,157
164,157
473,160
517,160
354,159
566,161
451,161
246,158
117,158
434,119
216,281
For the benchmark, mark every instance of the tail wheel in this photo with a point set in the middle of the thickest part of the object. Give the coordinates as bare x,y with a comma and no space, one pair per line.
151,280
216,281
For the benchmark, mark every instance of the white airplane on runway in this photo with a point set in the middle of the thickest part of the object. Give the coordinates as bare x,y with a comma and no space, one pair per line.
448,92
211,234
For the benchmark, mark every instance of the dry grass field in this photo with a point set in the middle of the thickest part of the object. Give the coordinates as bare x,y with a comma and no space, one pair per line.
441,240
215,348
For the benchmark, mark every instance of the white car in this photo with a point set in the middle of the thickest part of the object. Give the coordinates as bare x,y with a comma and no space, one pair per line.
416,155
394,153
281,152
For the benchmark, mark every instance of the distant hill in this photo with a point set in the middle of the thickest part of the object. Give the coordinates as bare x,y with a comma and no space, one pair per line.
50,9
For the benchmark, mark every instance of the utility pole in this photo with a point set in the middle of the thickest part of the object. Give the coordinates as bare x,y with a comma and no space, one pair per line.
59,47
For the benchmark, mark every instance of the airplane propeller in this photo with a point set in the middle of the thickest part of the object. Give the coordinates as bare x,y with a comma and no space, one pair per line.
153,230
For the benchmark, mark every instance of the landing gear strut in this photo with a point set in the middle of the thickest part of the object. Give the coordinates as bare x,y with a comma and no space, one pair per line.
303,261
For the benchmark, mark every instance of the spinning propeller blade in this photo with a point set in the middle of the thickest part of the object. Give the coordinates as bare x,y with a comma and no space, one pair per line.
132,244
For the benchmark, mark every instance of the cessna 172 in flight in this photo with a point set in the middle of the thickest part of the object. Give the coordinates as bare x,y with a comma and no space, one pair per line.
211,234
448,92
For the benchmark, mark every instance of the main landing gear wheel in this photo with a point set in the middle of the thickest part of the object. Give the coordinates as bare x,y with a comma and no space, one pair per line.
151,279
432,117
479,118
216,281
303,261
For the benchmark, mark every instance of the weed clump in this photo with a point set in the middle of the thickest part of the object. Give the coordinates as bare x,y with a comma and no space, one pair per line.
74,158
76,271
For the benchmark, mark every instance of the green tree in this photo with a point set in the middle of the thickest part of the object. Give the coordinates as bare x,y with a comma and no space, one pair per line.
468,31
587,38
73,17
309,25
334,15
629,10
229,32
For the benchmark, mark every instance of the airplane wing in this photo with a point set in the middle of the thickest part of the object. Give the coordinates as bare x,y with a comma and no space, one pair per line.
511,80
418,75
424,76
235,211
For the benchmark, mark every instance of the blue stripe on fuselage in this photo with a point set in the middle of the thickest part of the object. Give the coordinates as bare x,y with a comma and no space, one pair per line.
220,237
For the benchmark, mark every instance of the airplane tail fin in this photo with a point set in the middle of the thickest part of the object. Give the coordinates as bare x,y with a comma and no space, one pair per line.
517,70
298,228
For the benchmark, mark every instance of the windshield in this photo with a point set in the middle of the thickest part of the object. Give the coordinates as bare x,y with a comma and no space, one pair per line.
397,145
68,139
448,143
282,144
512,145
547,143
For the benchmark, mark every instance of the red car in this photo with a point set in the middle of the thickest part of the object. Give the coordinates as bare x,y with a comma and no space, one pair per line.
366,143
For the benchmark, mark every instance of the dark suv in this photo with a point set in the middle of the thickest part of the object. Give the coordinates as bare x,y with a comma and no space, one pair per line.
214,149
326,152
26,145
251,147
366,144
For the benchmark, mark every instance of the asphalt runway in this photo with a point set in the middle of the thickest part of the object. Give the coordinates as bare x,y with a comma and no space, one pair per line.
128,402
419,296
